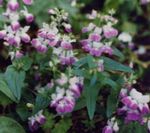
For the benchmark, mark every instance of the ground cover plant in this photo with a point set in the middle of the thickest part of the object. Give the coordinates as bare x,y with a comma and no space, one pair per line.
69,66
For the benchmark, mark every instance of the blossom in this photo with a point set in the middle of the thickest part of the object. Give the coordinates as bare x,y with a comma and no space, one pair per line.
111,126
28,16
13,5
125,37
13,33
135,105
109,31
1,2
36,120
99,37
67,91
143,2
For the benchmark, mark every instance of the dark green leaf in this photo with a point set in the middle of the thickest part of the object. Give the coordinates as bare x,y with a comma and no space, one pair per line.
8,125
112,103
4,100
41,102
91,92
23,112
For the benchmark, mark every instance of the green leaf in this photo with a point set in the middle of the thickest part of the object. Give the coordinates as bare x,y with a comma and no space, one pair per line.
62,126
91,92
112,103
15,81
41,102
4,100
118,53
110,4
140,128
133,127
65,4
110,64
80,103
23,63
8,125
49,121
5,90
90,61
23,112
80,62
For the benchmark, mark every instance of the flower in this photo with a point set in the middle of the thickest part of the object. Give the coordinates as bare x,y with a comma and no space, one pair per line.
125,37
109,31
107,129
135,105
64,98
36,120
13,33
13,5
143,2
28,16
112,125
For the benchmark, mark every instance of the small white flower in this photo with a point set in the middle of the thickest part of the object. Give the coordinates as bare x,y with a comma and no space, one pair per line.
125,37
116,127
148,125
141,50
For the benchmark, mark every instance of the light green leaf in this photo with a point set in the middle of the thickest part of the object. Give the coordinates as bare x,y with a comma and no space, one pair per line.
62,126
5,90
110,64
23,63
15,81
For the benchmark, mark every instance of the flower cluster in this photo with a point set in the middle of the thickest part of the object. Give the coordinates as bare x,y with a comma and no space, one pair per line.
36,120
67,91
99,36
112,125
13,34
53,36
144,2
135,105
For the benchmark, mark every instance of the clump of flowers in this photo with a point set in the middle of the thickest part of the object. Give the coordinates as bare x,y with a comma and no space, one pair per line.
99,35
112,126
36,120
144,2
135,105
57,36
13,33
67,91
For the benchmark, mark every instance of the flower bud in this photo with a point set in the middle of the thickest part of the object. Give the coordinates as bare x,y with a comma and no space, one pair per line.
29,17
15,25
2,34
13,5
28,2
25,38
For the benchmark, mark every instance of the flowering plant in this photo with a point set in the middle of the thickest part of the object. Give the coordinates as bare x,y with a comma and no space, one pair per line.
56,70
